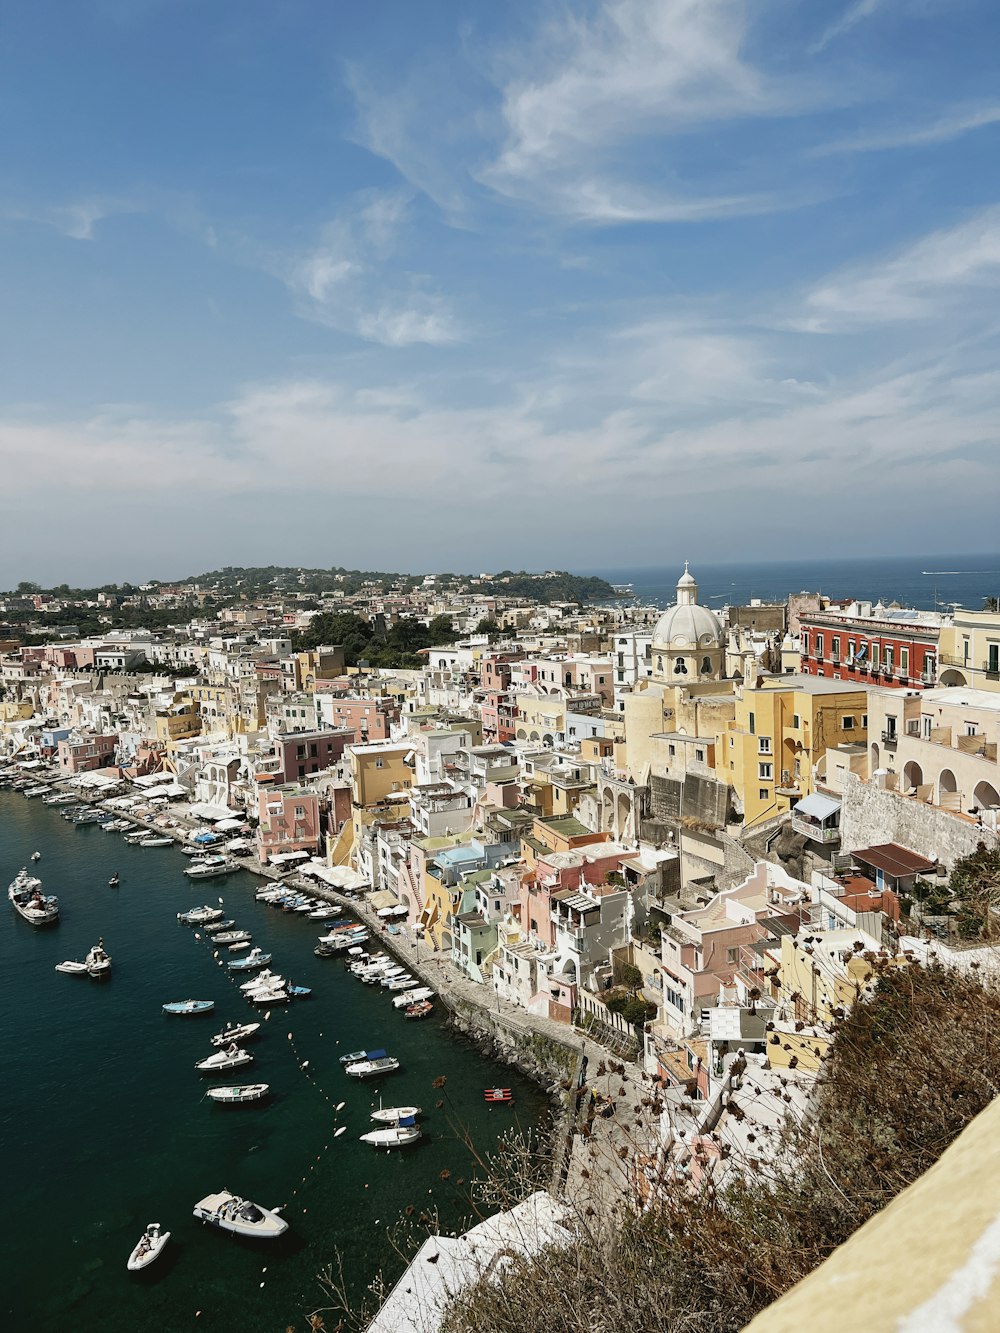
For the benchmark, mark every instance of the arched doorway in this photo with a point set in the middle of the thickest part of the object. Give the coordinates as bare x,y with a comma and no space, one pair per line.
876,756
624,821
953,678
986,796
947,786
608,812
913,776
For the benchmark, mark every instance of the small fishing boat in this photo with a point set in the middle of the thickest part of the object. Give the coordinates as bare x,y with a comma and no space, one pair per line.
299,992
28,901
236,1094
233,937
98,963
403,983
200,916
211,927
498,1094
372,1068
156,842
114,881
392,1115
393,1136
36,856
235,1032
422,1009
239,946
267,978
188,1008
268,997
72,968
254,959
325,913
353,1057
231,1213
410,997
150,1247
230,1058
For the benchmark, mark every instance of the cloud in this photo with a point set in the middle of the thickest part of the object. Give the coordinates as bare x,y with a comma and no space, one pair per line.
853,15
77,220
348,281
929,277
589,89
947,127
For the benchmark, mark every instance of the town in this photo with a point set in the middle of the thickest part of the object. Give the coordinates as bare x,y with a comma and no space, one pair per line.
681,835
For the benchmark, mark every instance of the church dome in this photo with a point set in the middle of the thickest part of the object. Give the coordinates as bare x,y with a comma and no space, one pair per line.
689,626
686,625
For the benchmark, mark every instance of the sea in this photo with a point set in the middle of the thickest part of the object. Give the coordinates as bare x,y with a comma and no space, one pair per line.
104,1126
938,582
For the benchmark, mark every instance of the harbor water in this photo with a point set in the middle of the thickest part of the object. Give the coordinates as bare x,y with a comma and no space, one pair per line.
105,1126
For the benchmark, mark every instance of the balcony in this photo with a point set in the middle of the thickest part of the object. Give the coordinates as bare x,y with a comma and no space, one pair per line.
815,831
991,669
890,737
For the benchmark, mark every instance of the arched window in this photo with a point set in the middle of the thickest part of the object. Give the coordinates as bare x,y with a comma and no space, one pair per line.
659,665
706,666
680,667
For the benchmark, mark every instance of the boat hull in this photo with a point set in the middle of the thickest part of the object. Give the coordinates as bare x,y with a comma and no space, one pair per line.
140,1259
230,1213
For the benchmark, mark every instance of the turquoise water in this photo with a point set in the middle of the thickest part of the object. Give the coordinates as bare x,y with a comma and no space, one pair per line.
104,1127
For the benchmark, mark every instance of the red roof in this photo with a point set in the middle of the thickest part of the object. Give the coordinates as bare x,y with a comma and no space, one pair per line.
894,860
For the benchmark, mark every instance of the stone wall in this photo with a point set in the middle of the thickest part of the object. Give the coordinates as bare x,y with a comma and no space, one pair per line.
871,815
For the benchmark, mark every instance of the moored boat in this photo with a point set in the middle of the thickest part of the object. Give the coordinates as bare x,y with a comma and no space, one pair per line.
386,1064
72,968
28,901
236,1093
155,841
263,979
150,1247
352,1057
410,997
232,937
230,1058
200,916
422,1009
392,1115
213,927
235,1032
393,1136
231,1213
188,1008
210,869
254,959
98,962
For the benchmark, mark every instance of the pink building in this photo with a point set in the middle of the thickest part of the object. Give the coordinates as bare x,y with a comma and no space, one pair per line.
303,753
85,753
289,821
367,719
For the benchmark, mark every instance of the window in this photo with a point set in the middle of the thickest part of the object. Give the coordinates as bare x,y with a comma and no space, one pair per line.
753,724
847,723
765,772
763,794
680,667
927,722
732,955
993,658
764,745
864,720
796,722
850,650
819,647
835,649
873,650
671,750
300,812
890,726
378,763
700,756
706,666
887,658
904,661
805,645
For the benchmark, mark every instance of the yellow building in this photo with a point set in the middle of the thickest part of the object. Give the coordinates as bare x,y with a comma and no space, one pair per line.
970,650
217,706
379,773
656,714
540,717
16,710
180,721
782,728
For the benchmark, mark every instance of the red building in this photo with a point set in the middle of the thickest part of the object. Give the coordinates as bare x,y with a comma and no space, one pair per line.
882,646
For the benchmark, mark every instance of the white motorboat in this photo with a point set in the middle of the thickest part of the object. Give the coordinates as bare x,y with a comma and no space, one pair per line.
97,962
414,996
262,980
150,1247
156,842
200,916
72,968
212,927
36,856
231,1213
392,1115
393,1136
271,996
230,1058
235,1033
232,937
402,983
372,1068
325,912
210,869
28,901
237,1093
254,959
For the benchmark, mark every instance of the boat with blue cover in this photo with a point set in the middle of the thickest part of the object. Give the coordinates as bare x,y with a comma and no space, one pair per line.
353,1057
189,1008
255,958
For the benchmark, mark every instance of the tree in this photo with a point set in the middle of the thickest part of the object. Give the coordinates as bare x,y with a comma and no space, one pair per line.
975,884
25,589
638,1011
490,628
628,975
991,603
441,630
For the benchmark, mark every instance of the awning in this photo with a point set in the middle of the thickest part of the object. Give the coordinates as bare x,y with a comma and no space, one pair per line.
174,790
212,812
152,779
816,807
894,860
281,858
383,898
400,910
207,837
225,824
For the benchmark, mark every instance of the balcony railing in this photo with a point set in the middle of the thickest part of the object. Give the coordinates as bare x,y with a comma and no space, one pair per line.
816,832
890,737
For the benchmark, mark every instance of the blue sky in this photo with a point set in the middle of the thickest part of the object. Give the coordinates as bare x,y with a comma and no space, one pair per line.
450,285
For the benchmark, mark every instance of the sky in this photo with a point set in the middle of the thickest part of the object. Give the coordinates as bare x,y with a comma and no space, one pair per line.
466,286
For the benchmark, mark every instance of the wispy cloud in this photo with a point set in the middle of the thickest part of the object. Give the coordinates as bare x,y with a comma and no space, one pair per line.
77,220
853,15
347,282
951,126
925,279
587,89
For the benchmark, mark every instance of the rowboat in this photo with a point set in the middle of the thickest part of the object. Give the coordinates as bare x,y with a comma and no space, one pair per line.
498,1094
422,1009
353,1057
392,1115
235,1094
372,1068
186,1008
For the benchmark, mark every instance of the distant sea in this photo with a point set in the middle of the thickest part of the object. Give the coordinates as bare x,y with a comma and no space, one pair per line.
924,582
